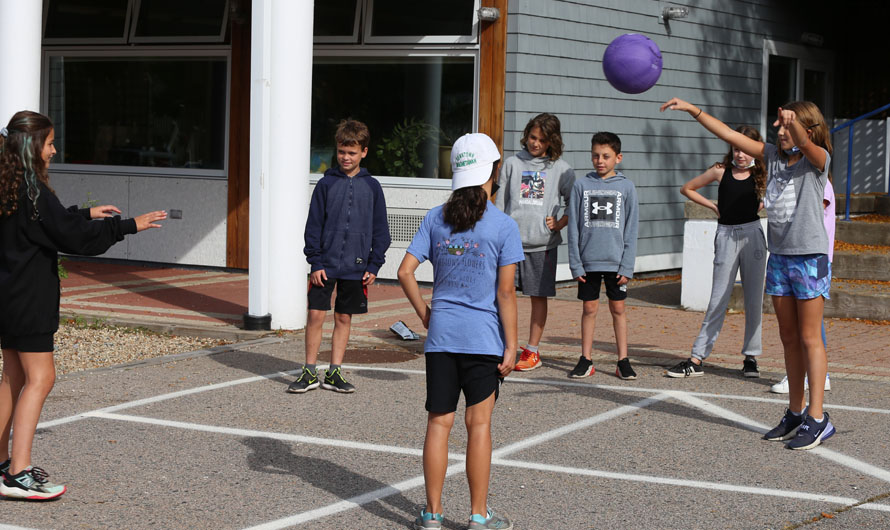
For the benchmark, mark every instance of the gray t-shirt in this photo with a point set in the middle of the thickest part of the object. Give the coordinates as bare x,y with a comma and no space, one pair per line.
793,202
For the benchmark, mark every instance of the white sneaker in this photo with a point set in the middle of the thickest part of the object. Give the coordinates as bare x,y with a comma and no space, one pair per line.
782,386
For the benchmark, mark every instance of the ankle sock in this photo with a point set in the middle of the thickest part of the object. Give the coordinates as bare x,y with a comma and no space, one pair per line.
795,413
333,367
820,420
533,349
311,368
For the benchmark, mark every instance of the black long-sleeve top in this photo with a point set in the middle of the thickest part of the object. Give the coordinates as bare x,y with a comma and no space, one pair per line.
29,252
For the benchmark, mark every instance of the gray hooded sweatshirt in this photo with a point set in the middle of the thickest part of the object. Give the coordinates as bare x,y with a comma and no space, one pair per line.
533,189
603,220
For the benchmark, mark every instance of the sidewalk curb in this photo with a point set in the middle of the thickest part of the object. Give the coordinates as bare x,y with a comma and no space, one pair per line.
190,330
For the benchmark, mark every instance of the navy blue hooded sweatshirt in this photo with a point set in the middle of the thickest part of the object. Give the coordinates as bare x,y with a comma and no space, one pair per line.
347,232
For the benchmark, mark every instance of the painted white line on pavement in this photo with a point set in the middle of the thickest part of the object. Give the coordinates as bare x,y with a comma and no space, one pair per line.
838,458
164,397
719,486
327,442
416,482
11,527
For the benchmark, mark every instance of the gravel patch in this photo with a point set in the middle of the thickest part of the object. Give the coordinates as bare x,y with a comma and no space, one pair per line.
84,346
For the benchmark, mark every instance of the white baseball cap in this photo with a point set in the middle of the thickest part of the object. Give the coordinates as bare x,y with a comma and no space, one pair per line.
472,157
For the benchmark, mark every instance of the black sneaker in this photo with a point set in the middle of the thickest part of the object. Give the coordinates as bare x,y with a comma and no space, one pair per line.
787,428
4,468
306,382
685,368
30,484
749,367
811,433
584,368
624,371
334,381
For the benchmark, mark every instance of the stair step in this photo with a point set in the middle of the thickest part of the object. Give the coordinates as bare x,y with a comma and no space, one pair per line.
863,299
861,262
867,230
864,203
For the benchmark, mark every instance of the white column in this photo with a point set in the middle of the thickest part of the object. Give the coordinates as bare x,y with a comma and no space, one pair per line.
20,29
289,159
280,113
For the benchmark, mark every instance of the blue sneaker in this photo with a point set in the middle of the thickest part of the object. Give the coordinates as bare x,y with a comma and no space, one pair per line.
811,433
426,520
493,520
787,428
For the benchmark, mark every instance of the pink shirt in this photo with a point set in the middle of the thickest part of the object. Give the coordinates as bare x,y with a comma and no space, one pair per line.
829,218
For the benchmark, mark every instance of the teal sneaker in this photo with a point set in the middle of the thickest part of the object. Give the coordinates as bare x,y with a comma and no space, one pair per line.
426,521
4,468
31,484
493,521
306,382
335,381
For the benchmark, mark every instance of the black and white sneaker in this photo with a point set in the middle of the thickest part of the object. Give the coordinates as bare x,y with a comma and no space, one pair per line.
624,371
685,368
749,367
30,484
334,381
584,368
306,382
787,428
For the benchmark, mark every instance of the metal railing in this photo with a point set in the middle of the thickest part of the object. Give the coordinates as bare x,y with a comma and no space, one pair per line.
850,125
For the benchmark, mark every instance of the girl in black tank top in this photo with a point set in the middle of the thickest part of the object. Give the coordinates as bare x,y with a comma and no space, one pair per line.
739,244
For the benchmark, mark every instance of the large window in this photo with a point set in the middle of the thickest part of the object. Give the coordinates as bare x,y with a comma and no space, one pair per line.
406,69
148,111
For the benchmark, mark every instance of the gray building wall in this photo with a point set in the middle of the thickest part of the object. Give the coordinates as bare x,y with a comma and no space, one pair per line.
713,58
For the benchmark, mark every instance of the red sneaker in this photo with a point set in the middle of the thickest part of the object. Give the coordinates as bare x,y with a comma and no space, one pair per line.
528,361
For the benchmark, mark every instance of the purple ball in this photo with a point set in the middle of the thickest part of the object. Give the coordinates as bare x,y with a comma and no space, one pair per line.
632,63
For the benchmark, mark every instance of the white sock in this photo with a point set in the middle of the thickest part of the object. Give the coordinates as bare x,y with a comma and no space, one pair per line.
796,413
533,349
820,420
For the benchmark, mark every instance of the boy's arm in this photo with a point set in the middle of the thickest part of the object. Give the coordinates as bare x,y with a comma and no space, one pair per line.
314,225
574,210
632,218
380,238
716,127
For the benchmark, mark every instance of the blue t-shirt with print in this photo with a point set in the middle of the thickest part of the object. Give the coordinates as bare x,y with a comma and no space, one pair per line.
464,316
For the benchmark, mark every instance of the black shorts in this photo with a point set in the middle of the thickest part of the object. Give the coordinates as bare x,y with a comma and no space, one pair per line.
590,290
449,373
352,296
28,343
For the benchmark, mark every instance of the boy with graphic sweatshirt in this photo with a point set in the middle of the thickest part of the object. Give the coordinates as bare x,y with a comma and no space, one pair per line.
534,186
603,221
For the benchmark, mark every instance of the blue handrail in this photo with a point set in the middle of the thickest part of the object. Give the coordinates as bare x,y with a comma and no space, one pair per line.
850,124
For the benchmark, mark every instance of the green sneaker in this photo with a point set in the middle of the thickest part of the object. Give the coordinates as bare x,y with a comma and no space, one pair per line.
492,521
306,382
427,521
334,381
30,484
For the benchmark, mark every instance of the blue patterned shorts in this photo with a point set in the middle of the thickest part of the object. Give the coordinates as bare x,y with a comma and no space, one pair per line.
803,277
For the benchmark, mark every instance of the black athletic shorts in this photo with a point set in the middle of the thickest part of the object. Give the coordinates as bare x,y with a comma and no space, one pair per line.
449,373
352,296
28,343
590,290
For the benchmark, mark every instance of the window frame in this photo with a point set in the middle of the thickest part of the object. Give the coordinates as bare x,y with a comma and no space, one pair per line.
129,51
343,39
134,26
53,41
369,37
363,51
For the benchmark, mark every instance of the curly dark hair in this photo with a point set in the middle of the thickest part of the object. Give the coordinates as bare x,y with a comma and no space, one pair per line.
21,160
464,208
550,128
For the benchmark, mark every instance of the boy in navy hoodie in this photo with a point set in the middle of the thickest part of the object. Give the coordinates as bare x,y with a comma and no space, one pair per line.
346,236
603,220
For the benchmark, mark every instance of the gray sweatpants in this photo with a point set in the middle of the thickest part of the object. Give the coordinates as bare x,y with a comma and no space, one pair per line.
735,247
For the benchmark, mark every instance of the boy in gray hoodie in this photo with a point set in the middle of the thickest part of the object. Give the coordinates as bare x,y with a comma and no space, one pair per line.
534,185
603,221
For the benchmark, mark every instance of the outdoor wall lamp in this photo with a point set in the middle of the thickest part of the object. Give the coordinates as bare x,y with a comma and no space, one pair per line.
673,13
489,14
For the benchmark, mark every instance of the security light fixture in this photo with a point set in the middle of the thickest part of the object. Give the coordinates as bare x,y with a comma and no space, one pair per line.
489,14
673,13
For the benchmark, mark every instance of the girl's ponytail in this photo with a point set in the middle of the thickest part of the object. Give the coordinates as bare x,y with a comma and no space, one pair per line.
464,208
